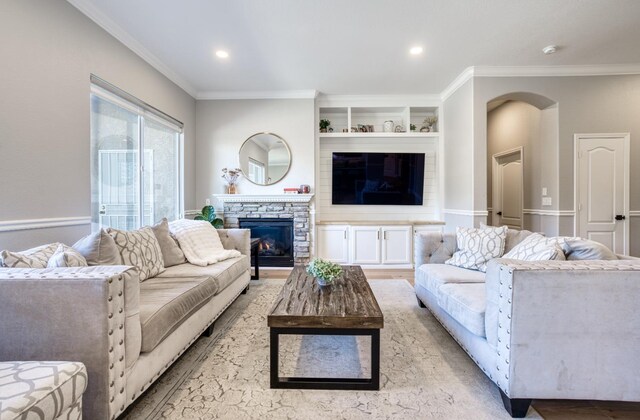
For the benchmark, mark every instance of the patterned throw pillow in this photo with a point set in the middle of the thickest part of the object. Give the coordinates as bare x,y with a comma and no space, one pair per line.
477,246
31,258
140,249
65,256
537,247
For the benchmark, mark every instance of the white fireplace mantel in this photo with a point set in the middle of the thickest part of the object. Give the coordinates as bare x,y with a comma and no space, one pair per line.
263,198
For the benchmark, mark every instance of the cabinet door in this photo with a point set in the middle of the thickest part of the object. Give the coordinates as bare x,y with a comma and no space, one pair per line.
333,243
365,245
396,245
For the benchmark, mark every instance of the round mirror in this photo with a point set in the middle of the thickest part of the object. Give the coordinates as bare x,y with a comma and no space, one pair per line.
265,158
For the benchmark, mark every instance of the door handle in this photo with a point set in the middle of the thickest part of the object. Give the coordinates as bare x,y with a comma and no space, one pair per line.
499,213
620,217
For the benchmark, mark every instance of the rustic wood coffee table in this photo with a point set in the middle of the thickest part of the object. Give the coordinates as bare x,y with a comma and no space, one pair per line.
347,307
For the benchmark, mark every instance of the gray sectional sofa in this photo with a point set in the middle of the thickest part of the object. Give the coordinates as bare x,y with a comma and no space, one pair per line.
126,333
538,329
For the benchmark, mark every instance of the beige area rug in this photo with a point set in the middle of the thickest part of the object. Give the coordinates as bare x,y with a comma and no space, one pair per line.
424,373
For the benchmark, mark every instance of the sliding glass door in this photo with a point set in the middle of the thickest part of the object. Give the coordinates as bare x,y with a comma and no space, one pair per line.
135,161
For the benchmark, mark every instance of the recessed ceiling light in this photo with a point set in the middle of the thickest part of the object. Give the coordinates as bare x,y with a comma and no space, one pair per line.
222,54
415,50
550,49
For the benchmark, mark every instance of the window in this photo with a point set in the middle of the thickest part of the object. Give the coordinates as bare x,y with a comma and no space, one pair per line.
256,171
135,161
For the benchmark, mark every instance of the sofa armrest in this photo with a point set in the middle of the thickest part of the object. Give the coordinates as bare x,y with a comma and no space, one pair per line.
74,314
238,239
568,329
433,247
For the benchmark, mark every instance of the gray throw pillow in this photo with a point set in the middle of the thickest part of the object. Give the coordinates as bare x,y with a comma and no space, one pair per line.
585,249
99,248
171,252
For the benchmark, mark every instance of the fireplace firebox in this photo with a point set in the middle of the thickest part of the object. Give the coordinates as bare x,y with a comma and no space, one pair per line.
276,240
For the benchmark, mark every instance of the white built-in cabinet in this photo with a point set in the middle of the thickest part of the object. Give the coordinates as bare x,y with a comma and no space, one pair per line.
370,246
381,245
333,243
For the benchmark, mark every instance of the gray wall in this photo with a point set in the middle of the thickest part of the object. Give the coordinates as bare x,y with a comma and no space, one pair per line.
586,104
223,125
458,148
48,51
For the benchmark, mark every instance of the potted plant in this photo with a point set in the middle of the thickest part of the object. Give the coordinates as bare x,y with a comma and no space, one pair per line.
324,125
325,272
209,214
231,176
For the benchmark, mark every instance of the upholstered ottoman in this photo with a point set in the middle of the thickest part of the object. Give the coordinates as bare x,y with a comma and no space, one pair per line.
42,390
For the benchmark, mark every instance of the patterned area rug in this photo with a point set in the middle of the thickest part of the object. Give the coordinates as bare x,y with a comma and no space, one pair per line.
424,373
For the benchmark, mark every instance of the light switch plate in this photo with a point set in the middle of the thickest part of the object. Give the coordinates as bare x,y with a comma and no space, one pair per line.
207,202
546,201
544,190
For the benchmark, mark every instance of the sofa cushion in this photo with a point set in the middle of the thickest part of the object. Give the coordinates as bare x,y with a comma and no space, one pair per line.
99,248
140,249
223,273
433,276
477,246
466,303
171,252
31,258
165,303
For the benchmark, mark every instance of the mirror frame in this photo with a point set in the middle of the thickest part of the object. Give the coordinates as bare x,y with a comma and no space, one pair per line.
286,147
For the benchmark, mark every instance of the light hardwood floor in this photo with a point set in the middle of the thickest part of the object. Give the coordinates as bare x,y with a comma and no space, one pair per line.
549,409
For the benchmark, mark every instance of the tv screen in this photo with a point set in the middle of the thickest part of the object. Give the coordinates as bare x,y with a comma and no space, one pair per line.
377,178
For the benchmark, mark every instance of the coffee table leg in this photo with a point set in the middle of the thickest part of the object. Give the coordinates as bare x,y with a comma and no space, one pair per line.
375,359
274,347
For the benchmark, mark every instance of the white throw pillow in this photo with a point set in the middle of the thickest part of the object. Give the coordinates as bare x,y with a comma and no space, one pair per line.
140,249
65,256
537,247
477,246
31,258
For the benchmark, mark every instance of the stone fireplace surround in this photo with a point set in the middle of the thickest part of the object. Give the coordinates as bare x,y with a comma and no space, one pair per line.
282,206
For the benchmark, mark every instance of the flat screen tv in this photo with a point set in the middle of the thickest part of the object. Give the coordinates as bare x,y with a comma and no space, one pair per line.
377,178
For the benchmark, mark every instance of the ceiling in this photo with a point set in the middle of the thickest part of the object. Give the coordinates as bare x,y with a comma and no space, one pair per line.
361,46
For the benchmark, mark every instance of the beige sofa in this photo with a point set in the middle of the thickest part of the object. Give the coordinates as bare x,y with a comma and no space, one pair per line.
538,329
126,333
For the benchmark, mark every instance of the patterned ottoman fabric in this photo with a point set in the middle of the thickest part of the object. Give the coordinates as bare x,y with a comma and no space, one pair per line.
42,390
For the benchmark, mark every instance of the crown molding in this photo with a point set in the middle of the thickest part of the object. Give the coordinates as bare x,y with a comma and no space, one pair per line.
52,222
538,71
259,94
411,99
556,71
92,12
457,83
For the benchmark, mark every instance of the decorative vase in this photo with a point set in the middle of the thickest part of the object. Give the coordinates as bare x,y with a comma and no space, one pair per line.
323,282
387,127
232,189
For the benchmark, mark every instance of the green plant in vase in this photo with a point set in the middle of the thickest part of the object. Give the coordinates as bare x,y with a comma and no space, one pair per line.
209,214
325,272
324,125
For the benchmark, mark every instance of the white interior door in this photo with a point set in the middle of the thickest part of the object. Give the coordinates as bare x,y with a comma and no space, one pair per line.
507,189
602,189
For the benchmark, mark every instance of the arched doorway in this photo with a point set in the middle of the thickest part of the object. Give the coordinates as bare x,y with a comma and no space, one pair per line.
522,162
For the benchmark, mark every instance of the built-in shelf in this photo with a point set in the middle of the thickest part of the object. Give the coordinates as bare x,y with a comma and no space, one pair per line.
374,134
375,117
